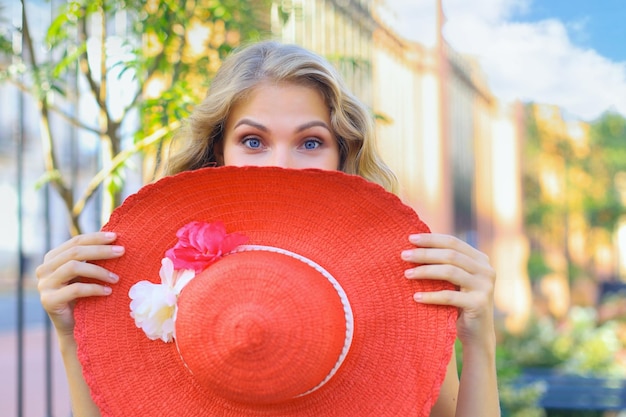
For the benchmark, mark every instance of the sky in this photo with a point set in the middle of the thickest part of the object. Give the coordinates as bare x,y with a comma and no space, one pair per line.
569,53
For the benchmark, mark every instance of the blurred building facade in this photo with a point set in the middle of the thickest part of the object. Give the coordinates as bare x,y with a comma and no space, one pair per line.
455,150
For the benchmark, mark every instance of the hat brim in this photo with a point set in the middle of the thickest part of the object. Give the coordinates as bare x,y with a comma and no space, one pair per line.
353,228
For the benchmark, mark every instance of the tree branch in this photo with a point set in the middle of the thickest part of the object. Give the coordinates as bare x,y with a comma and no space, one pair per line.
73,120
85,69
68,118
103,60
150,72
50,159
119,160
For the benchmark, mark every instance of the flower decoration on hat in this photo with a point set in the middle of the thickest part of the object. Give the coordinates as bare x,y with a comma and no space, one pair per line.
153,306
200,244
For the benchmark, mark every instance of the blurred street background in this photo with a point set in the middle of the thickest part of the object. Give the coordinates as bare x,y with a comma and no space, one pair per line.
504,120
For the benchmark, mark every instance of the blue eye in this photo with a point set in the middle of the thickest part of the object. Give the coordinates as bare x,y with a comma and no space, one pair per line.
252,143
312,144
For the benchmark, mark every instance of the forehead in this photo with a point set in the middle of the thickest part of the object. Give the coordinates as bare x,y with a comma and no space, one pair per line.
282,98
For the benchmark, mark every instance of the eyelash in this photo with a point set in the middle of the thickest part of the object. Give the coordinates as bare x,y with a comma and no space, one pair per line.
246,140
317,141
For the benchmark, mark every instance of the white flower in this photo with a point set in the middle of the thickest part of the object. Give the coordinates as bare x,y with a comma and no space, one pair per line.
153,306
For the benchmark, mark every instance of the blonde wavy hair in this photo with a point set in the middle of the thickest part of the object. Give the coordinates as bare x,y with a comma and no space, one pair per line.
271,61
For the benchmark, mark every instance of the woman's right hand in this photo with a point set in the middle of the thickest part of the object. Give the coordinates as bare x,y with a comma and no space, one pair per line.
57,276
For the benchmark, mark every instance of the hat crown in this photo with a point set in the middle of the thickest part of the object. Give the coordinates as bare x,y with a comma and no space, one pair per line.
261,327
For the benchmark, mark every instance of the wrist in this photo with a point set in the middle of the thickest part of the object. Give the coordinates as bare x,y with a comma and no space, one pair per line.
67,344
480,347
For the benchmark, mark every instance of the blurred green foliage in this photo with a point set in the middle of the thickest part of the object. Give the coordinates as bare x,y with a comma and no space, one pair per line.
521,401
167,51
571,171
578,344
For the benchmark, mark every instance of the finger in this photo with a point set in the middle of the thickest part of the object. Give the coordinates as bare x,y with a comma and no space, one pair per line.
482,282
72,269
445,297
56,300
435,240
449,273
440,257
96,238
78,253
444,264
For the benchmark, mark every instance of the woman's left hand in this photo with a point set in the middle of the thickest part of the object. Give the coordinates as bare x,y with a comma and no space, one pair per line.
444,257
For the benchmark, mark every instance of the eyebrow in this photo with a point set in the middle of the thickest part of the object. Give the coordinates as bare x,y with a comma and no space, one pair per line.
300,128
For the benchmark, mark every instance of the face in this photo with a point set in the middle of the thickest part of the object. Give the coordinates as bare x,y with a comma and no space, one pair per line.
282,125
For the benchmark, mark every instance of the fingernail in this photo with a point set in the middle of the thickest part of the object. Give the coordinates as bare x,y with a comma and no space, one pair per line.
415,238
418,296
408,273
107,290
113,277
110,235
117,249
406,254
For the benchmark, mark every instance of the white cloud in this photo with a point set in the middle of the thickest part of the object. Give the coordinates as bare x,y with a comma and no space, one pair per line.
532,61
413,19
489,11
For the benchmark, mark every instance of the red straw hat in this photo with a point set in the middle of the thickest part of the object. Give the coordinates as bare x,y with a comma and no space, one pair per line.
286,297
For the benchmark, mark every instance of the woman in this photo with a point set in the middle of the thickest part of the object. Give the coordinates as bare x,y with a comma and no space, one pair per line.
281,105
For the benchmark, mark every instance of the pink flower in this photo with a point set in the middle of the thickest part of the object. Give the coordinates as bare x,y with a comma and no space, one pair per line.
200,244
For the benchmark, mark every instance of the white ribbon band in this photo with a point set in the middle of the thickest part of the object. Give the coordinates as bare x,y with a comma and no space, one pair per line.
347,309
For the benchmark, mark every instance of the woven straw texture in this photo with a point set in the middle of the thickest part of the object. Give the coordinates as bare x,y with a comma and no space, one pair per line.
352,228
277,329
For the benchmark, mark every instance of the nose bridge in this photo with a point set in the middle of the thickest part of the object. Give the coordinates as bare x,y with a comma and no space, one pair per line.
281,156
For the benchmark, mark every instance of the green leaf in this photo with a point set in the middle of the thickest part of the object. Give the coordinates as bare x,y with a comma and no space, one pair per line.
67,17
67,60
6,47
